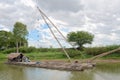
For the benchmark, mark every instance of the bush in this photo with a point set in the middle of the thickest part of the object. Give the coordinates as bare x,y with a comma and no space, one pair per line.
48,49
30,50
42,49
12,50
27,49
73,53
21,50
95,50
98,50
54,49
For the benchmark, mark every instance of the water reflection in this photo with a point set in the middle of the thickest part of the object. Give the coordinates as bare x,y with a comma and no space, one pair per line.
10,72
44,74
86,75
107,72
101,72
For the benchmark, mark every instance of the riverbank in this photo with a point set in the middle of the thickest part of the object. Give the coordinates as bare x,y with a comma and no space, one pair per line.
63,63
44,54
57,53
59,56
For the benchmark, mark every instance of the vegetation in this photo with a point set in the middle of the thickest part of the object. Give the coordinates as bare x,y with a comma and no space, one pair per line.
56,53
16,38
9,41
5,40
20,32
98,50
80,38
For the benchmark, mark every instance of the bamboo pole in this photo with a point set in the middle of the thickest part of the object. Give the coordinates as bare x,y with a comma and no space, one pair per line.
54,35
103,54
59,31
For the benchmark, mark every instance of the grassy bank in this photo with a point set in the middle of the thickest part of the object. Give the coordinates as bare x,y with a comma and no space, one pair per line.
55,56
3,57
45,55
53,53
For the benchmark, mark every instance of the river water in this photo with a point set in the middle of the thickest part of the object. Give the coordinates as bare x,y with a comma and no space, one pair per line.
101,72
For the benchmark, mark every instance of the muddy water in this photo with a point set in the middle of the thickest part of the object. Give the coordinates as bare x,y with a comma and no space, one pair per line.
101,72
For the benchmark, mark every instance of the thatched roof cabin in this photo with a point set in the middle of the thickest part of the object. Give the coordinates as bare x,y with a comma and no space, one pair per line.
15,57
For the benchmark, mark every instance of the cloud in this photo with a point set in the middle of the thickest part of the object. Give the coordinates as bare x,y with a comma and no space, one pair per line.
100,17
29,3
60,5
2,27
47,37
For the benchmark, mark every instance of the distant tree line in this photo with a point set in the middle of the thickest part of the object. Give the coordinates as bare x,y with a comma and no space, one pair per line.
18,37
15,38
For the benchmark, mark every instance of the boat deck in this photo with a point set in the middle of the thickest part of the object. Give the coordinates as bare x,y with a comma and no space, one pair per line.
57,65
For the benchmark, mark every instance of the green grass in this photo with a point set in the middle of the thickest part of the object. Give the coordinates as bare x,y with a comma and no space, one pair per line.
55,54
98,50
35,56
112,56
45,55
3,57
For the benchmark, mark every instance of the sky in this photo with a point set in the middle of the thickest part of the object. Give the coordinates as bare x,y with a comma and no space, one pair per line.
99,17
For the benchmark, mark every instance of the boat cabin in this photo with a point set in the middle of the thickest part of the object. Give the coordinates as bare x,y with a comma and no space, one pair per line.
17,57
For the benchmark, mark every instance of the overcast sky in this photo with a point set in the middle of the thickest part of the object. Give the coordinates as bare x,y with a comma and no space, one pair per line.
99,17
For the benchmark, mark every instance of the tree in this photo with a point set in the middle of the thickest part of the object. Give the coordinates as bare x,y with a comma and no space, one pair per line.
20,32
80,38
5,39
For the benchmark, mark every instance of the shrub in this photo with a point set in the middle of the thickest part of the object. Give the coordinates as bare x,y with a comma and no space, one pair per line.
21,50
32,49
27,49
48,49
98,50
54,49
43,49
73,53
11,50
